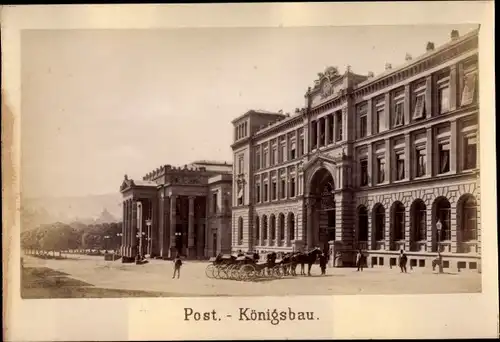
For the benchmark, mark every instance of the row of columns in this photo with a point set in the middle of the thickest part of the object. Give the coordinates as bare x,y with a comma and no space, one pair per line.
279,240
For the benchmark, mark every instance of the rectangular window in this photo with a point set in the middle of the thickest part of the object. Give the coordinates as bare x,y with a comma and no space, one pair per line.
257,160
338,136
444,98
274,156
266,192
363,123
257,193
364,172
293,151
398,114
379,119
470,153
265,158
444,157
380,170
400,166
419,110
421,159
314,135
301,146
283,188
292,187
214,203
469,89
273,191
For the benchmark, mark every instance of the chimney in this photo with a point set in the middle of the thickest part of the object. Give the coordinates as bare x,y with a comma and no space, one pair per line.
430,46
388,66
408,57
454,35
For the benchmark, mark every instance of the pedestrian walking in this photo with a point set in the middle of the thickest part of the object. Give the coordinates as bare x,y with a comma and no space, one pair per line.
360,263
322,263
403,259
177,266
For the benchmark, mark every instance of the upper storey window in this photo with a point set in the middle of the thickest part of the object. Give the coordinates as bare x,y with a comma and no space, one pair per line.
240,164
398,108
362,128
379,118
338,126
469,84
241,131
419,111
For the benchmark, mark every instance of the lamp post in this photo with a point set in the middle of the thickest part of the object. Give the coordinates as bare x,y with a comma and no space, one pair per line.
178,235
439,226
149,247
119,235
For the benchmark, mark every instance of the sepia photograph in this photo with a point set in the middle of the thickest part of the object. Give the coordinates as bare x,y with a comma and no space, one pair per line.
365,182
250,162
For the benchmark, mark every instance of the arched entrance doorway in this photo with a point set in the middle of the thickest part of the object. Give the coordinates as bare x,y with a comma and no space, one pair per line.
322,212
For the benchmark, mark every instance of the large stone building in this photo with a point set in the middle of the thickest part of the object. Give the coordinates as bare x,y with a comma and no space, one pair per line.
382,163
172,210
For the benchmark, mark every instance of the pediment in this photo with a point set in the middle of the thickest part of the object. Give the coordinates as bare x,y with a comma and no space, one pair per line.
126,184
319,159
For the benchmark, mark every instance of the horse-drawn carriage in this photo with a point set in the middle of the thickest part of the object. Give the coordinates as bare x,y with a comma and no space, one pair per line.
248,267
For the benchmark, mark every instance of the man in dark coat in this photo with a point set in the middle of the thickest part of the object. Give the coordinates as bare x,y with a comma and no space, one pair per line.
403,259
177,266
322,263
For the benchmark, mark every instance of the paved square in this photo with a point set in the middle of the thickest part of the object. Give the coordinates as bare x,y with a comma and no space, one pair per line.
157,276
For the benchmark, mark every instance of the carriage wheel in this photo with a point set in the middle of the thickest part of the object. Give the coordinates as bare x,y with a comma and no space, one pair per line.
247,272
233,272
221,272
209,271
278,271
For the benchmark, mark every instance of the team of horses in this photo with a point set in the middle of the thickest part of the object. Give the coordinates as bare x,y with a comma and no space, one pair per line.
290,261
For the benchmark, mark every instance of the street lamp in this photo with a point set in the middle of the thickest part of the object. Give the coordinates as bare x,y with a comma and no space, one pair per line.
177,235
439,226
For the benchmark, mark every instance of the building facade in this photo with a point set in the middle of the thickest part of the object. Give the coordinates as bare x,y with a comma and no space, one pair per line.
380,163
185,210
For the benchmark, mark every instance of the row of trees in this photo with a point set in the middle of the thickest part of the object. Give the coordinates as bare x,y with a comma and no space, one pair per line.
60,237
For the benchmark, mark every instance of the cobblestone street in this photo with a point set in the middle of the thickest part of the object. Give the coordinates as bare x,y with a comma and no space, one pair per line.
157,276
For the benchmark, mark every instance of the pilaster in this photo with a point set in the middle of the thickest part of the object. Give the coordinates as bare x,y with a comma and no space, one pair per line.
191,232
453,87
173,223
369,118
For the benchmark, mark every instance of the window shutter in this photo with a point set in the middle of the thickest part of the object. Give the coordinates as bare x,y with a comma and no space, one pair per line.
469,89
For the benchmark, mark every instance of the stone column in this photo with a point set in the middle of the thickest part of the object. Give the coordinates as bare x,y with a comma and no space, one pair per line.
173,223
388,161
129,229
453,87
428,97
408,157
334,118
407,106
191,232
387,111
327,129
370,164
309,238
124,218
429,170
134,228
200,235
161,224
345,127
369,118
318,133
453,146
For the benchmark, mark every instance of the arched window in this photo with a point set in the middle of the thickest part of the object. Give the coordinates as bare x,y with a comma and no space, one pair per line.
273,228
264,227
291,226
362,224
443,215
419,221
379,220
240,230
469,220
282,227
257,229
398,219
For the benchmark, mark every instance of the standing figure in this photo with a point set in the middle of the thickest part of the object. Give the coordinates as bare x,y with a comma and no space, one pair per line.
360,261
322,263
177,266
403,259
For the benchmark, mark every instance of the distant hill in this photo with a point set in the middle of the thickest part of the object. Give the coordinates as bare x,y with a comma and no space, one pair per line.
85,209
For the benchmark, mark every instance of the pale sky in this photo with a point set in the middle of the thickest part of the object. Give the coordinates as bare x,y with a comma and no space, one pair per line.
98,104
